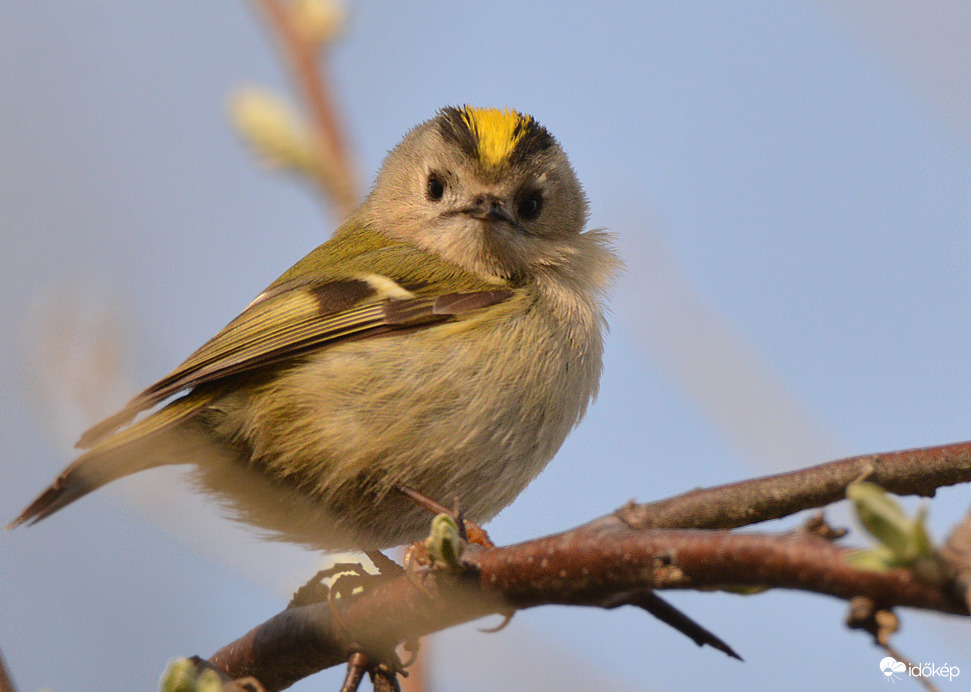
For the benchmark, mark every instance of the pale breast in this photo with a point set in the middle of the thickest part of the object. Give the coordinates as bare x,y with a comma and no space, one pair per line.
471,412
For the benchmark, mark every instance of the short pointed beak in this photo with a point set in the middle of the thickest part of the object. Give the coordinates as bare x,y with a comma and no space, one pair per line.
488,208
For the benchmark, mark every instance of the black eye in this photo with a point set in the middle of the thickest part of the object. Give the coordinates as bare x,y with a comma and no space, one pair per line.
435,189
530,205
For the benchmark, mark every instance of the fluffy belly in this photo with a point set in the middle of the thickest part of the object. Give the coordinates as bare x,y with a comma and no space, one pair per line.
472,420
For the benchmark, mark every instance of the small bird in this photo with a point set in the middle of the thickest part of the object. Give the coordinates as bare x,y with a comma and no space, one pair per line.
446,339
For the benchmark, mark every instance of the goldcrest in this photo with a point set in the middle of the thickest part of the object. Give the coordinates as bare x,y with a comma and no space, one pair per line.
447,338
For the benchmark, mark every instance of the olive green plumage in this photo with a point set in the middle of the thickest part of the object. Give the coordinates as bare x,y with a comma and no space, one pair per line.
447,338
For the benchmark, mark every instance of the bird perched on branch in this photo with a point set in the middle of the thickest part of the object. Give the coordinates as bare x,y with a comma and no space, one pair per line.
446,339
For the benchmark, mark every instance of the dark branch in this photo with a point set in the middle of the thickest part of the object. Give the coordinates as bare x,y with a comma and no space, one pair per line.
910,472
579,567
671,616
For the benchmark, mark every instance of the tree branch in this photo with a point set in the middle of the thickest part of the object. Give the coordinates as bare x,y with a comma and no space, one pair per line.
909,472
589,565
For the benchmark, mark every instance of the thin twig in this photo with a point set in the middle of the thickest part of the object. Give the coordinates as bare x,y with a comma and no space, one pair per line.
922,680
881,624
957,551
6,684
672,617
337,182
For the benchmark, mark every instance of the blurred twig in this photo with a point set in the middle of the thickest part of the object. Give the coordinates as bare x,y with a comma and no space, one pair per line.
78,355
6,684
336,178
957,551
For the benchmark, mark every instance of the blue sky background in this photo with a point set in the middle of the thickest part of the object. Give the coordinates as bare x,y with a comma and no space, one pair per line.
789,183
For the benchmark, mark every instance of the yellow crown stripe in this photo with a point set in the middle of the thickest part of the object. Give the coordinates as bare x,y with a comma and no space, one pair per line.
496,132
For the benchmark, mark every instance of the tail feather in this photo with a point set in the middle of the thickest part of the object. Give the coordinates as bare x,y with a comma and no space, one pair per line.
184,444
169,436
61,492
90,472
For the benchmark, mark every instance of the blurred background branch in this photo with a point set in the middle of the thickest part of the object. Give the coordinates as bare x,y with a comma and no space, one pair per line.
303,30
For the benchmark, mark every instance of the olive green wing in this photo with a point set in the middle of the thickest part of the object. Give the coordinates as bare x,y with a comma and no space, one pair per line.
288,320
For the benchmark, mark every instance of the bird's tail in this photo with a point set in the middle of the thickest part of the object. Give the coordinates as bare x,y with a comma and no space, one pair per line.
170,436
98,467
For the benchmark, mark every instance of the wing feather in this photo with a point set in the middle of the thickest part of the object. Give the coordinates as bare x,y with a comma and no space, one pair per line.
287,321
